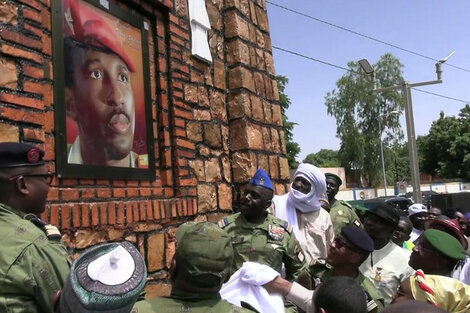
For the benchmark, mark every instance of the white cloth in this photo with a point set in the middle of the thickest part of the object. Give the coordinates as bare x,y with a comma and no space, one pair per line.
246,285
301,297
415,233
313,230
113,268
387,268
462,271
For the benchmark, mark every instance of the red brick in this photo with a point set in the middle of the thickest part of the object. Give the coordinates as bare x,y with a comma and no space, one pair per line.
33,134
135,211
32,15
66,217
85,181
103,193
145,192
157,192
103,182
119,192
46,44
46,19
133,183
104,213
88,193
168,192
129,216
22,116
112,213
48,94
186,182
20,39
178,32
54,220
142,211
49,121
33,87
149,206
76,215
22,101
173,209
85,215
183,114
32,3
53,194
156,209
95,219
34,72
36,31
185,144
132,192
69,194
121,218
178,132
45,215
49,149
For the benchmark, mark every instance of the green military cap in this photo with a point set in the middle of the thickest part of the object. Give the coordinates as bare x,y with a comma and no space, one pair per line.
106,278
335,177
445,244
203,250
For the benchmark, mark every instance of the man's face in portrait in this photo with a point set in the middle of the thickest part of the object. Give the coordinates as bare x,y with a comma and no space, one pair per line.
102,103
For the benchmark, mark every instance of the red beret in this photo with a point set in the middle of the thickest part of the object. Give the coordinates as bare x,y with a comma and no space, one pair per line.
90,28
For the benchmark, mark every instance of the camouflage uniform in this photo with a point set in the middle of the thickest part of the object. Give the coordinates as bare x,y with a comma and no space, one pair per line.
343,214
34,264
322,271
270,243
194,305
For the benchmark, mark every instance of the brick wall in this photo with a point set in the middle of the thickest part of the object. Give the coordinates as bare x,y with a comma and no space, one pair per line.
213,124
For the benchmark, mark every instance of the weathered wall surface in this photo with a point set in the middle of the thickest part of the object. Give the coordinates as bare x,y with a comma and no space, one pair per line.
213,124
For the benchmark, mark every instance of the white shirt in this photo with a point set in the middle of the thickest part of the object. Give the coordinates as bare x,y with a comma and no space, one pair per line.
315,229
387,268
415,233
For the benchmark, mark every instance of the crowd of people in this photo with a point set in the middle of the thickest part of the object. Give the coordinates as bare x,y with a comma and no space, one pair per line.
304,251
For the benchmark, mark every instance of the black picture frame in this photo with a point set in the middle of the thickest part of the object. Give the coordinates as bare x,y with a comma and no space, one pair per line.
64,169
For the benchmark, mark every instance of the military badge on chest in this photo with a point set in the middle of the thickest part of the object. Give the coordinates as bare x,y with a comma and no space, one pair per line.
378,275
276,232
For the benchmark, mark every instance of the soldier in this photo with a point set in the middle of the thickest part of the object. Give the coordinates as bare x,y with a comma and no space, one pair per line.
341,212
200,266
258,236
348,250
34,264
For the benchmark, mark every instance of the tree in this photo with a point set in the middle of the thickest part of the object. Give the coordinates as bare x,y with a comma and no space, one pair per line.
292,147
357,110
445,151
324,158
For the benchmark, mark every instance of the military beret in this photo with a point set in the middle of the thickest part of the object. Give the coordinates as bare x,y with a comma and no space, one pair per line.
452,227
203,249
386,212
445,244
88,27
261,178
14,154
106,278
358,237
335,177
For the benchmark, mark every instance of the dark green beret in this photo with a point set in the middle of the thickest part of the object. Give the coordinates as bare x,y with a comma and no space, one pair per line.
445,244
335,177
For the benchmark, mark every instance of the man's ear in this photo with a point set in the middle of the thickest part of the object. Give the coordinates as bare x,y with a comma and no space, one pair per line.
322,310
268,204
70,104
21,186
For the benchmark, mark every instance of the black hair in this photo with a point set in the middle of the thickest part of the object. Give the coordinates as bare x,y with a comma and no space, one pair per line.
340,294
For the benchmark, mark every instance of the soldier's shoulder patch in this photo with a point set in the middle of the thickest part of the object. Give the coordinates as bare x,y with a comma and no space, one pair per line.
276,232
51,231
345,203
223,222
357,223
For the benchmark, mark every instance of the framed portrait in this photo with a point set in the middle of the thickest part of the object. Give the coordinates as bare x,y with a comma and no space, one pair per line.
103,115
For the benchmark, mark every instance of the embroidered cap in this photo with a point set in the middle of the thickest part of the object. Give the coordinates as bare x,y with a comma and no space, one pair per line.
18,154
261,178
106,278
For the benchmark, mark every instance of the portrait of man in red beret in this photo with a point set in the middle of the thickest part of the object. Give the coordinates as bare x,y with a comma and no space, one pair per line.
99,94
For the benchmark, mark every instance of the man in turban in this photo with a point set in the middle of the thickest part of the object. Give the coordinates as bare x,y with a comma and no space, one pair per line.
301,207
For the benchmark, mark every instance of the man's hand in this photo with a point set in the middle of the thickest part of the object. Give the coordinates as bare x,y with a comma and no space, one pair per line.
278,285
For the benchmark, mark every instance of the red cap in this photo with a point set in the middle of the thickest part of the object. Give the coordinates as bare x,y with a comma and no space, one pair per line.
454,227
87,26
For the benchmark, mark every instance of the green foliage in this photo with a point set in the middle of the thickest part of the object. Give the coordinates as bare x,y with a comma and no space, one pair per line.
324,158
445,151
292,147
357,110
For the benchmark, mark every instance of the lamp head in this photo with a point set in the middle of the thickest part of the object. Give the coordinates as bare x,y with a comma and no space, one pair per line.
366,67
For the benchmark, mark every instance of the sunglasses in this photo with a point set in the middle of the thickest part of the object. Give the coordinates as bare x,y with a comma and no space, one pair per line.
47,176
339,242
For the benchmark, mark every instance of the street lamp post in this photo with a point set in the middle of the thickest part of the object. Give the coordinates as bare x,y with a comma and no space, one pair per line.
382,148
410,128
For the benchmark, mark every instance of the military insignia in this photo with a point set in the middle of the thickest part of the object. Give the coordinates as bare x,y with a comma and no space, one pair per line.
340,212
52,232
261,181
185,309
357,223
21,229
223,222
276,232
33,156
301,256
378,277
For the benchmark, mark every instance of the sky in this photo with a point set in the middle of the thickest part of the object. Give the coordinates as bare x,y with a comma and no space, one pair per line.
429,27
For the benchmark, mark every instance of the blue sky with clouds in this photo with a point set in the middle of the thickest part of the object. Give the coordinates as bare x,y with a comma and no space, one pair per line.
428,27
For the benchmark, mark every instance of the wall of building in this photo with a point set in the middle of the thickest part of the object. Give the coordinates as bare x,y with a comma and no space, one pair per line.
213,124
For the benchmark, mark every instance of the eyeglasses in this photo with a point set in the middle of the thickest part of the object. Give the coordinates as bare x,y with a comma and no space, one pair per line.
47,176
